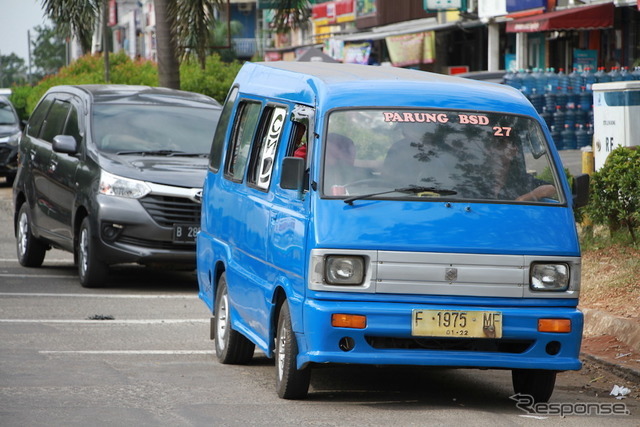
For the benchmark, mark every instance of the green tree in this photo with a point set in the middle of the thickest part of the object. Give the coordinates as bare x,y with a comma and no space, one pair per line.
182,27
12,70
48,51
75,18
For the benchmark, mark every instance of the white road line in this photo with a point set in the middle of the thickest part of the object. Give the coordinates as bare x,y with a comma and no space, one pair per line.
180,352
125,296
48,262
37,276
108,322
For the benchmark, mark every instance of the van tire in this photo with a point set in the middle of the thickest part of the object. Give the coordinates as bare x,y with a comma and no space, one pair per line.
91,270
30,249
232,348
537,383
291,382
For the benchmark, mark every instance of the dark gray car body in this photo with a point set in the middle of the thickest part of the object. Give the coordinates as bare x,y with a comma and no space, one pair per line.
9,137
61,170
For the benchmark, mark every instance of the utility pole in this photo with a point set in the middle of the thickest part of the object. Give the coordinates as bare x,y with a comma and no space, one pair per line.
105,39
29,56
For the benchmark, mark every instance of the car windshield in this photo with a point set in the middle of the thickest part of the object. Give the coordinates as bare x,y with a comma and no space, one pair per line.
158,129
7,115
434,154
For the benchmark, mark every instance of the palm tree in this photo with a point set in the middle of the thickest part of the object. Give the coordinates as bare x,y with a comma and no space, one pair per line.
182,27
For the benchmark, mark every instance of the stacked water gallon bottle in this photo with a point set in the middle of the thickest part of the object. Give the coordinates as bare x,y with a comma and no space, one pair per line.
565,100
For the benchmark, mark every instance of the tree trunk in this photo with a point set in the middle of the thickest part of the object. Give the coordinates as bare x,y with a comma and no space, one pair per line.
168,65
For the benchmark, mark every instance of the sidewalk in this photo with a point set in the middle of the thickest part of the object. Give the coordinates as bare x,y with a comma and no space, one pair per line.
613,342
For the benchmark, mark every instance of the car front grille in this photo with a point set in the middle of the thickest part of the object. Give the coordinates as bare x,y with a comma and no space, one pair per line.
168,210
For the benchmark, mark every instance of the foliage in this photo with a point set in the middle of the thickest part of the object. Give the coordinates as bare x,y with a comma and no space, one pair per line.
12,70
615,192
18,98
49,54
214,81
74,18
192,27
89,70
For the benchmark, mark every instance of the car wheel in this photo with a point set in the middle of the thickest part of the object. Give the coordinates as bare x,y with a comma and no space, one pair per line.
91,269
232,347
537,383
31,251
291,382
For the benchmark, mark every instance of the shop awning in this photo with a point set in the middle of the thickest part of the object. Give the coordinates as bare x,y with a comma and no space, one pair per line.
576,18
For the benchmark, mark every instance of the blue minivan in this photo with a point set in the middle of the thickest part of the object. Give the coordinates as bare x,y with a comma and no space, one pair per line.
375,215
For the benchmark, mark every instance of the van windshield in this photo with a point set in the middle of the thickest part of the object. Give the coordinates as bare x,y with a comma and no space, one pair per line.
426,154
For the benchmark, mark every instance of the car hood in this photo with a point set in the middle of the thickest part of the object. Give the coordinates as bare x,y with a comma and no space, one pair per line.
446,227
8,129
186,172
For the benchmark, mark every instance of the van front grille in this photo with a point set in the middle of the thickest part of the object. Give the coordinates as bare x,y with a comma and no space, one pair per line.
451,344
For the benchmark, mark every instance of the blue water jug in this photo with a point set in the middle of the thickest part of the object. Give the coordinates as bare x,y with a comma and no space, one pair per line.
552,80
556,135
536,99
563,81
570,116
588,79
575,81
547,116
558,118
602,76
569,138
582,137
615,75
586,101
626,75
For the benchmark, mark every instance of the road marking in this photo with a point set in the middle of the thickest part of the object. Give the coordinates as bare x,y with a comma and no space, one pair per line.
48,262
170,352
108,322
125,296
37,276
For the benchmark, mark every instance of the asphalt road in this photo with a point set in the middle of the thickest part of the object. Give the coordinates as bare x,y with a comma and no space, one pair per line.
63,363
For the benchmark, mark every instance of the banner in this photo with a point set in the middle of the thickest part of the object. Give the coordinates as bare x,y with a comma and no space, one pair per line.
357,53
412,49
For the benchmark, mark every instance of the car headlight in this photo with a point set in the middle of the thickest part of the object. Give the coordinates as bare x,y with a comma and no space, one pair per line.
549,277
11,139
113,185
344,270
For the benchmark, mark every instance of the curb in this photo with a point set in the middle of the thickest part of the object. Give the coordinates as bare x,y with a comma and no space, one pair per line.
629,374
602,323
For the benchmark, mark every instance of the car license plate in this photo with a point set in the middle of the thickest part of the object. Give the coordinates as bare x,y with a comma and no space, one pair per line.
185,232
456,323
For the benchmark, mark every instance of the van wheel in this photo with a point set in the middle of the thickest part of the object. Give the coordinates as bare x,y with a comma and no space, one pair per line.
537,383
291,382
232,348
92,271
31,251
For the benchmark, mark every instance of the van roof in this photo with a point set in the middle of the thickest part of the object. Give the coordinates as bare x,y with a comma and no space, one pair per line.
348,85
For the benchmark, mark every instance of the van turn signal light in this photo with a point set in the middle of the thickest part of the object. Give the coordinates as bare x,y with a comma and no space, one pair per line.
354,321
554,325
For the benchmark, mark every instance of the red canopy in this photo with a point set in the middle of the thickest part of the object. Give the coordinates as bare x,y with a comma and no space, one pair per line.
577,18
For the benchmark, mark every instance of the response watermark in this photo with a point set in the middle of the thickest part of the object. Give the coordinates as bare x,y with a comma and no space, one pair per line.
527,404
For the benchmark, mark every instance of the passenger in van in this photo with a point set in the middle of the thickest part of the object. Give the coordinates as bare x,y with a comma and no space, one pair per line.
339,162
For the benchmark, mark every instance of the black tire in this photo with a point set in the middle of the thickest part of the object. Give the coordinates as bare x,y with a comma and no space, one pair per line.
232,348
537,383
91,270
30,250
291,382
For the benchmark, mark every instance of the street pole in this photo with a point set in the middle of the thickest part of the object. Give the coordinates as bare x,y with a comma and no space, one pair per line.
29,56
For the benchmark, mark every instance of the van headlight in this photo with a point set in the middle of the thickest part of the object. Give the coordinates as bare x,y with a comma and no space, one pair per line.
113,185
549,277
344,270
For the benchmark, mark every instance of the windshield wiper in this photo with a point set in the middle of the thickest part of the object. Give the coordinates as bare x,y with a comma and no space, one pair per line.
162,153
410,189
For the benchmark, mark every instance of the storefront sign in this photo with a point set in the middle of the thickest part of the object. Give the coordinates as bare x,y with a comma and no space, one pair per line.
357,53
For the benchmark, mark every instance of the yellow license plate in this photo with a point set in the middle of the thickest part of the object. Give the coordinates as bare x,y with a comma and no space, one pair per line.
456,323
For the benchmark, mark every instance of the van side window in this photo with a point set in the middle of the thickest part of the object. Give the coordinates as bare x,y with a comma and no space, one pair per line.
36,119
215,157
264,152
243,131
56,120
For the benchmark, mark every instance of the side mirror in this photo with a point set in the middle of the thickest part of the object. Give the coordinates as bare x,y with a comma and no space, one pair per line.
65,144
292,175
580,190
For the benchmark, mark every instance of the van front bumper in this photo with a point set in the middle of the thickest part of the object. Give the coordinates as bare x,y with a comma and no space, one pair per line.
387,338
